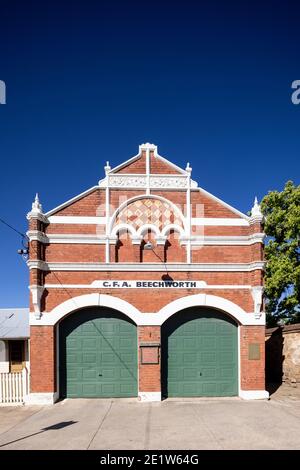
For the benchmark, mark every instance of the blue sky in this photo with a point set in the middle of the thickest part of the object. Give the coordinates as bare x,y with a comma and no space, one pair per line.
208,82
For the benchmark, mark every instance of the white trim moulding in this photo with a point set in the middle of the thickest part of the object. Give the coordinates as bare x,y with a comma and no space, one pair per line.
212,221
146,267
75,238
94,220
70,219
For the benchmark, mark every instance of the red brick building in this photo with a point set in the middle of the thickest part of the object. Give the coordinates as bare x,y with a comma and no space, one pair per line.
146,285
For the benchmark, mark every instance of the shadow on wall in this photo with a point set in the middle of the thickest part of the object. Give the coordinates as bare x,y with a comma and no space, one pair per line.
274,359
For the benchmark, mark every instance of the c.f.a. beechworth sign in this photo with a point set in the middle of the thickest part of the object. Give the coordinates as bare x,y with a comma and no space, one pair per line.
149,284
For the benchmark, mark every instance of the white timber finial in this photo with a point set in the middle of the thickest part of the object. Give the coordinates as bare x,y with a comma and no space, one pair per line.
107,167
256,208
188,168
36,205
256,214
148,146
37,210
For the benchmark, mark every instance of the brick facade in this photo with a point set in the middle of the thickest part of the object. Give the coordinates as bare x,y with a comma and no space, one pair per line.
227,256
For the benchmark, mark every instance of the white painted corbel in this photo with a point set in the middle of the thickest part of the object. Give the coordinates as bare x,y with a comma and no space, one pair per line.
36,295
257,295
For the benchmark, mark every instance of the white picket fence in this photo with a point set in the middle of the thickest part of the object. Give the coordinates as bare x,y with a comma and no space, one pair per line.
13,387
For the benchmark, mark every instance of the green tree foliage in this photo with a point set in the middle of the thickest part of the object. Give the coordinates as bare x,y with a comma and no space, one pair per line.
282,280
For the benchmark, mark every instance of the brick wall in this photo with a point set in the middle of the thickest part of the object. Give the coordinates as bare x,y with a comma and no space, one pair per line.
252,370
42,359
211,207
86,206
149,374
143,300
67,253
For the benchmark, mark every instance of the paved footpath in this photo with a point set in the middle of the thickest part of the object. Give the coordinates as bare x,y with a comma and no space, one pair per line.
172,424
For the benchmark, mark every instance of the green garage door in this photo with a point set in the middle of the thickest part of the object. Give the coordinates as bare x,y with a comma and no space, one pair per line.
98,354
199,354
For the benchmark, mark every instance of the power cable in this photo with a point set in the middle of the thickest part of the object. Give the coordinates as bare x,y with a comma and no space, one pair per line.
14,229
25,237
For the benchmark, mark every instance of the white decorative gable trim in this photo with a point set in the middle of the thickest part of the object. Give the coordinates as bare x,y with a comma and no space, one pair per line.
130,181
147,182
125,181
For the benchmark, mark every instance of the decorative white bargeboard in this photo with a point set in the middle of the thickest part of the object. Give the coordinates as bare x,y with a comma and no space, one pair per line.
141,181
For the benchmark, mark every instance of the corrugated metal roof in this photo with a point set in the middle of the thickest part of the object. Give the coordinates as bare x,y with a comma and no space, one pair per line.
14,323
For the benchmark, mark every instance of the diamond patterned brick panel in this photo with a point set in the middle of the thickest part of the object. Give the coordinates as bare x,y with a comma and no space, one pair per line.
148,211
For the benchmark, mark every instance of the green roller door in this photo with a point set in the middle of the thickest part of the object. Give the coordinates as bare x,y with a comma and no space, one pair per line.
98,355
199,355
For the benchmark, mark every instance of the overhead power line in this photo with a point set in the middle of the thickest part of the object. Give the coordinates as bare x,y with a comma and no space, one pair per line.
31,247
13,228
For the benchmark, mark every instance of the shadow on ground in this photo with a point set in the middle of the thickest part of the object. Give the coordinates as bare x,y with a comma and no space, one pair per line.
54,427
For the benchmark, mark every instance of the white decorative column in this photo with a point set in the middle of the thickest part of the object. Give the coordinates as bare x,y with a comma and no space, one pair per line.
147,147
107,169
256,220
36,218
188,213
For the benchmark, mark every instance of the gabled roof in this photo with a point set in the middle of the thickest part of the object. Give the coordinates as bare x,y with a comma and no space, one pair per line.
14,323
138,165
153,150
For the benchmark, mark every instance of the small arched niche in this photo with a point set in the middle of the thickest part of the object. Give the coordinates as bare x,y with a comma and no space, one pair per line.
124,249
173,251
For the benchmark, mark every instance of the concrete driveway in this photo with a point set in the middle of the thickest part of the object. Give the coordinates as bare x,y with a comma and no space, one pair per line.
172,424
